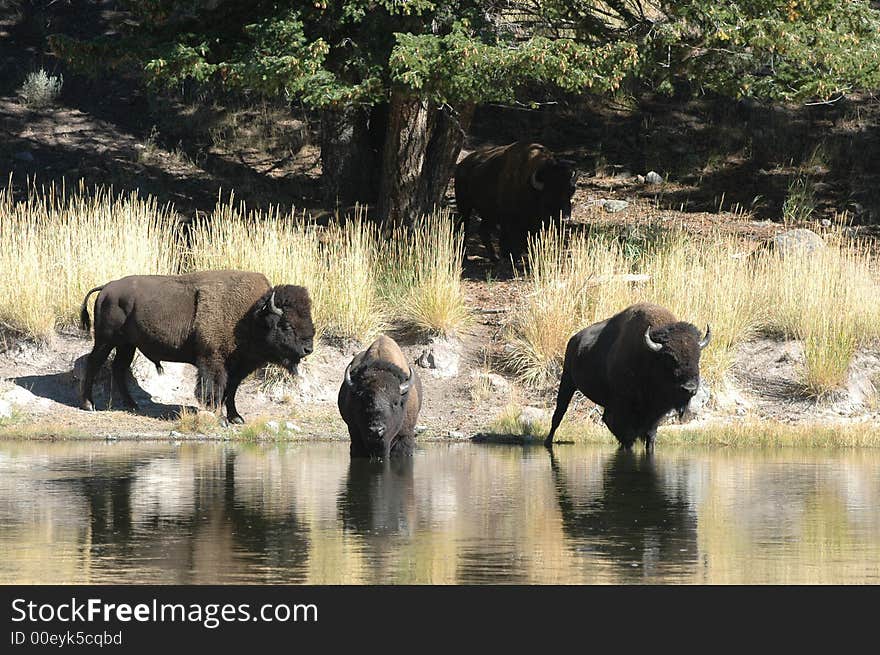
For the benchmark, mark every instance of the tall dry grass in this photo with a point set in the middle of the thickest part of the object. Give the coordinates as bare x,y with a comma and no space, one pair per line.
421,276
57,246
826,298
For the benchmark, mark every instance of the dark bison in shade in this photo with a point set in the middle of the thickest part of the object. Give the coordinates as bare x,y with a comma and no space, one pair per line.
638,365
226,323
517,188
379,400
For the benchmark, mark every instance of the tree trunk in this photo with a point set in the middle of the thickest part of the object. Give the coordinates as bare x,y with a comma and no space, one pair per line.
406,143
448,131
398,156
421,148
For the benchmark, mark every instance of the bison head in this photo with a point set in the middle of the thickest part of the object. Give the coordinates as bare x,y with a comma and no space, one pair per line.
675,370
285,315
554,182
379,393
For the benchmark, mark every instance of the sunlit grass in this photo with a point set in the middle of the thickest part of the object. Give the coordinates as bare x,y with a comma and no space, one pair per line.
194,421
58,245
422,276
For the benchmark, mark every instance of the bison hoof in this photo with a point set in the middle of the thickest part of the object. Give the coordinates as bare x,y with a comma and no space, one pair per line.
237,420
87,406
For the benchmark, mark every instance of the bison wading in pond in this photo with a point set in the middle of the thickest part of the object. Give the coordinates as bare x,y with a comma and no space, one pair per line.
379,400
226,323
517,188
638,365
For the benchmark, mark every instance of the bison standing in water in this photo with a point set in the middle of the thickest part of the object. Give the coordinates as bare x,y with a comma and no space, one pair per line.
638,365
226,323
379,400
516,188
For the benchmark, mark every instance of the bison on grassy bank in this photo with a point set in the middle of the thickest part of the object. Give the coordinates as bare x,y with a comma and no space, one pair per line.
379,400
638,365
517,188
226,323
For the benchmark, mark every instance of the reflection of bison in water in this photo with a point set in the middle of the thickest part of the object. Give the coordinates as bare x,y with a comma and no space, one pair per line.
379,498
516,188
226,323
379,400
641,520
638,365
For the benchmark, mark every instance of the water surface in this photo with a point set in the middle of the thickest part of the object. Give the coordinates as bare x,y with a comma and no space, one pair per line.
101,512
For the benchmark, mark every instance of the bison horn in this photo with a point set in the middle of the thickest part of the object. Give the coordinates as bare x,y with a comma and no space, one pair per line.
653,345
272,306
706,337
348,374
404,387
535,181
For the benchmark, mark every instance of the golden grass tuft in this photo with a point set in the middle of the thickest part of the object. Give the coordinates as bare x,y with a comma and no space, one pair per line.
57,246
422,276
196,421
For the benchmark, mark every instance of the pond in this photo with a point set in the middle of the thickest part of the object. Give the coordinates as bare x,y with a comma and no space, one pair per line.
126,512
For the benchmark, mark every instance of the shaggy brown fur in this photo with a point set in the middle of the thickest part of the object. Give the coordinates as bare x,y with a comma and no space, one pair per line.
219,321
611,364
381,421
497,184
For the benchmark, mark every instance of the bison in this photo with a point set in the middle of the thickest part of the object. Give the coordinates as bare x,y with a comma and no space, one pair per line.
379,400
226,323
517,188
638,365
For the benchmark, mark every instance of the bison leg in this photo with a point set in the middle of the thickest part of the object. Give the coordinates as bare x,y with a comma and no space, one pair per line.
486,236
232,414
121,363
96,359
563,398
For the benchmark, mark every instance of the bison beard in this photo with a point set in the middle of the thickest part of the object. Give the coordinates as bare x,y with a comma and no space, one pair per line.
226,323
638,365
517,188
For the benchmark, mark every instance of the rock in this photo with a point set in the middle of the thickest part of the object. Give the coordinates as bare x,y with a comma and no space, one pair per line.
495,381
640,179
699,403
798,240
420,428
273,426
825,222
653,177
456,434
5,408
614,206
441,355
292,427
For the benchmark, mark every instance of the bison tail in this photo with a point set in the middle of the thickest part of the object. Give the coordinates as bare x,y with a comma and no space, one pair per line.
84,321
